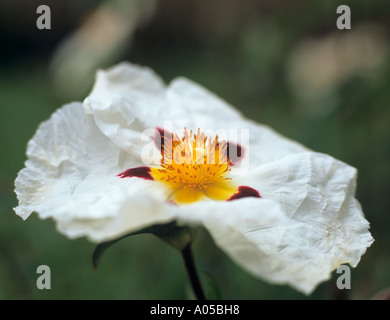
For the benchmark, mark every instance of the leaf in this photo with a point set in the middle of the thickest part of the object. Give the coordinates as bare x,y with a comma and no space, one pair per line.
99,250
102,247
176,236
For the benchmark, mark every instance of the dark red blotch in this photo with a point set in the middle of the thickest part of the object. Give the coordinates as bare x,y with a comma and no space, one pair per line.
245,192
234,152
139,172
160,137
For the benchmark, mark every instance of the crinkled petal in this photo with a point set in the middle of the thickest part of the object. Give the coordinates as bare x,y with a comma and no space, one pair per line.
137,211
316,223
126,100
71,176
194,105
315,188
260,237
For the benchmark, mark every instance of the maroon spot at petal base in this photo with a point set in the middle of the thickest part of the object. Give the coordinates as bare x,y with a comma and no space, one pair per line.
139,172
235,153
244,192
161,137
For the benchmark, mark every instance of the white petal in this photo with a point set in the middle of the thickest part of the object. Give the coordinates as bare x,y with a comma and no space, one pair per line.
260,237
126,100
266,145
71,176
195,107
323,227
139,210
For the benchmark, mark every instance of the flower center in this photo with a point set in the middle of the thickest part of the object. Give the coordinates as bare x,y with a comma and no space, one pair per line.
195,166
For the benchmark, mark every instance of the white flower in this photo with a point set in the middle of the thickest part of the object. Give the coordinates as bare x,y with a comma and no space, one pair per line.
284,213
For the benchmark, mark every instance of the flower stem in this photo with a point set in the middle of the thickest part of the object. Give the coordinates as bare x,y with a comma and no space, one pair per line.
192,273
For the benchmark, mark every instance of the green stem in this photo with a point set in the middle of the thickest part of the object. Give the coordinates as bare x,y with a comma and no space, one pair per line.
192,273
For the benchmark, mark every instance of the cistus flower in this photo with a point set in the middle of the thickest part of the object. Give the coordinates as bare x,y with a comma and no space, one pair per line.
137,154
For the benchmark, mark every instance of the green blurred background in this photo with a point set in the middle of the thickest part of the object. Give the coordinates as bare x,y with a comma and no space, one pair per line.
283,63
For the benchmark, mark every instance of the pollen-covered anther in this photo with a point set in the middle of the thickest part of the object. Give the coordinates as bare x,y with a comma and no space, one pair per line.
194,166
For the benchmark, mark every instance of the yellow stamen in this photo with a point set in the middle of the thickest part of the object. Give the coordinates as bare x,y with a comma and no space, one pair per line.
195,167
